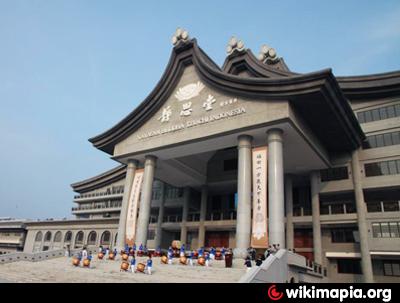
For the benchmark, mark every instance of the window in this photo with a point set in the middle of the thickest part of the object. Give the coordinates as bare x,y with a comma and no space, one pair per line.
68,236
79,238
105,238
391,268
92,238
377,114
383,168
57,237
231,164
151,234
386,230
349,266
343,235
38,237
47,236
374,206
337,173
382,140
391,206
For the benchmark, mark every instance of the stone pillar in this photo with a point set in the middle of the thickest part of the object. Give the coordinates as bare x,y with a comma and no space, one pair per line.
243,221
366,263
289,212
275,189
316,222
185,210
157,239
203,211
130,174
145,201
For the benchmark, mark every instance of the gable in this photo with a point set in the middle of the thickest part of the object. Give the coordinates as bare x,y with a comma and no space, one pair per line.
194,111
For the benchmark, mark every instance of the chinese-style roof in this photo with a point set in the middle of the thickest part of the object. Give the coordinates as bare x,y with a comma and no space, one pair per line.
104,179
318,97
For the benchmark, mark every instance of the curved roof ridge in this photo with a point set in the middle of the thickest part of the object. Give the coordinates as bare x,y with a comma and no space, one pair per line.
292,86
100,179
246,59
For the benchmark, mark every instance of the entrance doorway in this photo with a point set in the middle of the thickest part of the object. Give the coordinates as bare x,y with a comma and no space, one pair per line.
217,239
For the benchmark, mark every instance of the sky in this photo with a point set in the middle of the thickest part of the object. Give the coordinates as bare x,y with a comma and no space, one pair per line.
70,70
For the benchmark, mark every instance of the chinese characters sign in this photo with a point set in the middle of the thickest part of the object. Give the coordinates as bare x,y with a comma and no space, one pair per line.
186,114
259,236
133,207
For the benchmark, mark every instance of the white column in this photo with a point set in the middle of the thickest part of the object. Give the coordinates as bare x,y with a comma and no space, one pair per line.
316,222
275,189
366,263
243,221
203,211
160,216
289,212
145,201
130,174
185,210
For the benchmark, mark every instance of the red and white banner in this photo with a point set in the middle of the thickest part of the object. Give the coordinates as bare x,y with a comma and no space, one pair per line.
259,234
133,206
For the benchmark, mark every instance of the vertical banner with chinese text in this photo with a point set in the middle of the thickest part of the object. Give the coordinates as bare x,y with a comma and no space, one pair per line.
259,234
133,207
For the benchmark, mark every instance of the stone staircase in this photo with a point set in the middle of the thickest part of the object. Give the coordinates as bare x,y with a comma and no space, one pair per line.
282,267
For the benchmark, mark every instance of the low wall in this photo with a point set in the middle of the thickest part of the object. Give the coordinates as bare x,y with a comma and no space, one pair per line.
33,257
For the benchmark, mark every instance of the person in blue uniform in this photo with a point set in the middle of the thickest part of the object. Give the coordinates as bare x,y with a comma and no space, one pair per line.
182,253
207,260
223,252
212,253
126,250
133,264
191,257
201,251
170,255
134,247
149,265
115,252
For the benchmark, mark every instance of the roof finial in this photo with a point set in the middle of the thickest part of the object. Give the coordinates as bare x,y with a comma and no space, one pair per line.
234,45
180,35
267,54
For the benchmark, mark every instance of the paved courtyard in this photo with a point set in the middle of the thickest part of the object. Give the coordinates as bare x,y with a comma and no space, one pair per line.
62,270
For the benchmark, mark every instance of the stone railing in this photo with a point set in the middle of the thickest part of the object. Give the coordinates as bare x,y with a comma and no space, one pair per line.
33,257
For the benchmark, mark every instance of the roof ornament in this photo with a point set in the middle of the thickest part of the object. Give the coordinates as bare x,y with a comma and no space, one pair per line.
180,35
234,45
268,54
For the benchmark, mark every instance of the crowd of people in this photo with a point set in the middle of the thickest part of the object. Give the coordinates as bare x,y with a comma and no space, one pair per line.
209,255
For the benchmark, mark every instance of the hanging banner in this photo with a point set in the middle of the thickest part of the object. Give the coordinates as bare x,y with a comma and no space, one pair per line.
259,235
133,207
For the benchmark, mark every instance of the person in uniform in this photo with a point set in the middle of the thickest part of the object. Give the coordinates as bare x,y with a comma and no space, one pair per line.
182,253
212,253
170,255
133,264
149,265
191,257
201,251
84,253
207,260
223,252
248,263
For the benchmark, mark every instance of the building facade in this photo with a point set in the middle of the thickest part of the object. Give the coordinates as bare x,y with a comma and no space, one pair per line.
332,183
12,235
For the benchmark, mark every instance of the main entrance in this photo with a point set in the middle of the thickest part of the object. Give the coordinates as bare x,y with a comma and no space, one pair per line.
217,239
